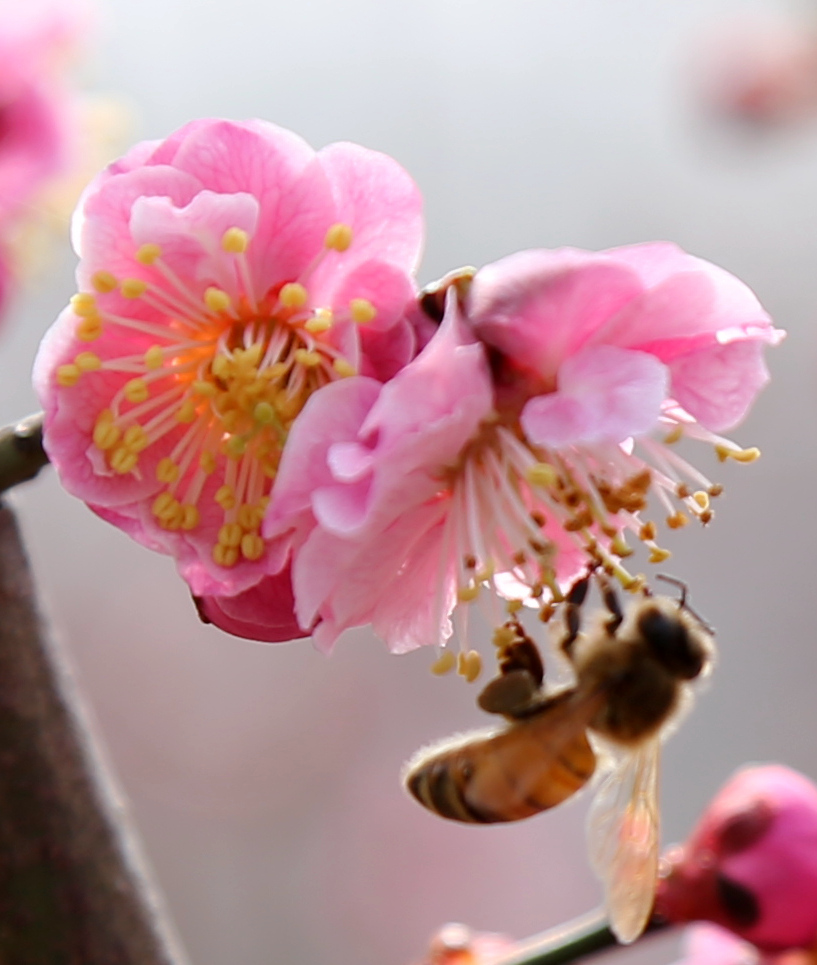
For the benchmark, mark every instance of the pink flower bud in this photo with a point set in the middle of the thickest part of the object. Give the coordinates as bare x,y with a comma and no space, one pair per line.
750,865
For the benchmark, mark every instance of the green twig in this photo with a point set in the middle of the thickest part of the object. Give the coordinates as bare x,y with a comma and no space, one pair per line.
21,451
569,942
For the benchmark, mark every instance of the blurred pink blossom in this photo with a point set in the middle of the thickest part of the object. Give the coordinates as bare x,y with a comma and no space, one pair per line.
521,444
706,944
227,275
456,944
750,864
40,116
760,69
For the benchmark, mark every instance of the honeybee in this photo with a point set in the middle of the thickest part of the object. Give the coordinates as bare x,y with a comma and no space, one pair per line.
633,672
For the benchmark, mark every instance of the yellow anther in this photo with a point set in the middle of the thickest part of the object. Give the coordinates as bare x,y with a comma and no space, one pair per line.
148,254
68,375
84,305
207,389
123,460
542,474
225,497
167,471
746,455
225,555
319,323
164,505
674,435
235,447
338,237
362,311
89,329
252,546
190,516
486,573
634,584
275,371
88,361
677,520
343,368
444,664
207,462
504,636
309,360
133,287
217,300
648,531
235,241
154,357
293,295
263,413
701,498
104,282
658,555
186,411
248,516
471,666
230,534
136,390
513,606
229,420
466,594
135,438
106,433
620,548
221,367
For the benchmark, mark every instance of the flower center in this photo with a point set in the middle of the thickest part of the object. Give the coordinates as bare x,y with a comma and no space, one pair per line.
524,520
234,371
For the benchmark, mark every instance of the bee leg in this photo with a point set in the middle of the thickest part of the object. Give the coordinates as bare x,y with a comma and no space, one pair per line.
573,603
610,598
522,654
510,694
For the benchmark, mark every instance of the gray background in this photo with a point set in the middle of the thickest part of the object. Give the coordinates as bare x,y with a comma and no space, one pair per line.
264,778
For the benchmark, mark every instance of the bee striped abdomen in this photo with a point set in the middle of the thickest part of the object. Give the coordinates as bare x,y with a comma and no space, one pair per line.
532,765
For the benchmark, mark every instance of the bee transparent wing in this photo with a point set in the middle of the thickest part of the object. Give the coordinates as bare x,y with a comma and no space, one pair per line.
623,839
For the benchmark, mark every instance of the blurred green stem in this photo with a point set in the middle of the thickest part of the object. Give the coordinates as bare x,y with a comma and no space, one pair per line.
21,451
567,943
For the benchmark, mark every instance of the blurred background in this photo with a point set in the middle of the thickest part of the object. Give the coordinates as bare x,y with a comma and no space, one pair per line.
264,778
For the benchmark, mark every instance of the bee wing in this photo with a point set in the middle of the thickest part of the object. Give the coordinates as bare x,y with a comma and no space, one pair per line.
623,831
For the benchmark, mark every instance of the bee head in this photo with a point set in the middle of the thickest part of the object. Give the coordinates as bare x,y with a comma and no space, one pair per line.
671,639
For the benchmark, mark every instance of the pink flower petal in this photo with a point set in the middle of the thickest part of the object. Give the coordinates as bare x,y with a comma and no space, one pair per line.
605,394
265,612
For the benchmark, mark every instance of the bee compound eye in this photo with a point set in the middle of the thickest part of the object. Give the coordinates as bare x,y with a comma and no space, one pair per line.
671,643
738,903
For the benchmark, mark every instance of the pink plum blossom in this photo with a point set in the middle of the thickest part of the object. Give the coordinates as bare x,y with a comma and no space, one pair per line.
227,275
521,444
39,113
750,864
706,944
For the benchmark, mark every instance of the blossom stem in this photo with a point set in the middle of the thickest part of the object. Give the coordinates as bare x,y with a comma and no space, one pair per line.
72,883
21,451
569,942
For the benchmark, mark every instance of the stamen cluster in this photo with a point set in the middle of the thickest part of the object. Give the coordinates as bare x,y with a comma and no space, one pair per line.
237,383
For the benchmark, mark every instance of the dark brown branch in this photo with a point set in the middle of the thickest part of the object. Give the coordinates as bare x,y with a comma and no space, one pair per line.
21,451
72,888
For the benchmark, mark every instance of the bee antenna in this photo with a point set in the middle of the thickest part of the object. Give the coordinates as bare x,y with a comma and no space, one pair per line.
682,602
674,581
